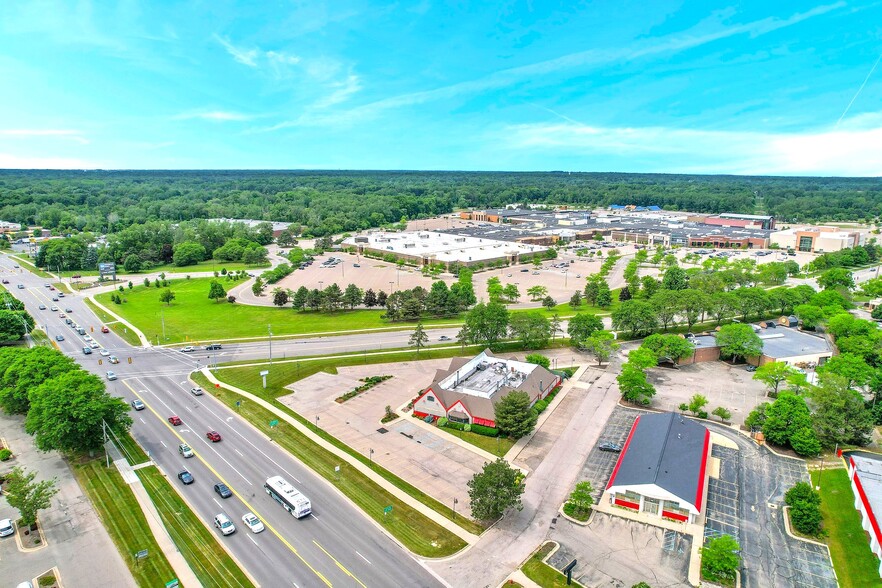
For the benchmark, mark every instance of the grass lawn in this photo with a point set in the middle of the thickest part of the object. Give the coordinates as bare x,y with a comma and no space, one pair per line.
122,517
193,317
497,446
418,533
28,264
120,329
208,560
542,573
853,561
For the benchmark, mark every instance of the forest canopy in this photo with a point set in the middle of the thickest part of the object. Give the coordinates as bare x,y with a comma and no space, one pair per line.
328,202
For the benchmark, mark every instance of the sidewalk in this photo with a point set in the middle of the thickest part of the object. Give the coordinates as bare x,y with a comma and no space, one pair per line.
364,469
182,569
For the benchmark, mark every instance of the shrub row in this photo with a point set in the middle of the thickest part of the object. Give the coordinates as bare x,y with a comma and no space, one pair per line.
274,275
479,429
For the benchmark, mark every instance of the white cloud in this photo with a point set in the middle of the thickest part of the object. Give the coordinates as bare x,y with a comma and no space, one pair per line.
244,56
9,161
849,152
343,90
214,115
278,62
70,134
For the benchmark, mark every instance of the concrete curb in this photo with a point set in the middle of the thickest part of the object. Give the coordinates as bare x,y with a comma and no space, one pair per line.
358,465
24,549
576,521
786,511
145,342
55,572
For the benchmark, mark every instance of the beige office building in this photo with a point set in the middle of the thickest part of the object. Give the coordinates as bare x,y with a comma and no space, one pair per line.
817,239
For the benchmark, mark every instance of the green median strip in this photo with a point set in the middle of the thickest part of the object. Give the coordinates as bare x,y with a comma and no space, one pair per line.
29,265
853,561
199,546
118,509
114,325
414,530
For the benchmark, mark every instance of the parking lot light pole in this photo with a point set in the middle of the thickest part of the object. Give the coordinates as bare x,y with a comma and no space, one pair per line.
455,502
316,422
371,457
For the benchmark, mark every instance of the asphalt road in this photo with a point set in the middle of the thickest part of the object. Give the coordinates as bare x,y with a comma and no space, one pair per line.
336,546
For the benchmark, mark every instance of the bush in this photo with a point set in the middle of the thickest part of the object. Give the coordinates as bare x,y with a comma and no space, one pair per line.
802,492
571,510
467,427
806,517
442,422
455,425
683,407
702,414
486,431
5,455
540,406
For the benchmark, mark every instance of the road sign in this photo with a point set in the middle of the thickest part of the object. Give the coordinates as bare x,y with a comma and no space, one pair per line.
141,554
387,510
274,422
264,373
172,583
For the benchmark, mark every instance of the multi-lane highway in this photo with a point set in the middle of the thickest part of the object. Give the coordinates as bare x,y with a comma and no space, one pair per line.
335,546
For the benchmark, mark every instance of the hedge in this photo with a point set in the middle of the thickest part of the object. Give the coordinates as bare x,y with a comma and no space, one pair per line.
486,431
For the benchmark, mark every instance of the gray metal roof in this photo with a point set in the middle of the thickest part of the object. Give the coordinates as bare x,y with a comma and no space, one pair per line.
667,450
789,342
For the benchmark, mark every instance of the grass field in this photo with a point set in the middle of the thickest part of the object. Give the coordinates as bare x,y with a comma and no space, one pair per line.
542,573
199,546
28,264
853,561
122,517
120,329
498,446
193,317
419,534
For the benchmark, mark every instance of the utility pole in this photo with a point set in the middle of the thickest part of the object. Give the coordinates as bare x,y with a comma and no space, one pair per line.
269,328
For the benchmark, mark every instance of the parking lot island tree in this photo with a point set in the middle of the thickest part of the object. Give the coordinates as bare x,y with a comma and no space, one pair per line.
495,489
27,496
720,559
773,374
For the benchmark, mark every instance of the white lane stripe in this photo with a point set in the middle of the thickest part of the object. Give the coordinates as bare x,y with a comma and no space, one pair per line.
363,557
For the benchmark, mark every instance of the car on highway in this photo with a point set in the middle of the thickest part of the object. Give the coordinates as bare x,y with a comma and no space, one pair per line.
5,281
54,308
59,337
6,528
223,522
87,337
213,346
444,338
104,352
87,351
185,450
111,376
55,299
104,329
196,391
94,344
45,285
610,446
186,477
62,315
252,522
68,310
60,294
138,405
113,359
21,286
188,349
223,490
42,307
175,420
213,436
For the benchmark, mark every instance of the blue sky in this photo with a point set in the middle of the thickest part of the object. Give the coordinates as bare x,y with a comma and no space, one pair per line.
602,85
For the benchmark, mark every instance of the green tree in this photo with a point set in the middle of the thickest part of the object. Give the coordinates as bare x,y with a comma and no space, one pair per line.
809,315
836,278
27,496
167,296
188,253
720,559
805,442
511,292
495,290
66,412
14,324
370,298
784,417
538,359
772,374
332,298
486,324
739,341
692,305
637,317
724,413
757,417
514,415
675,279
581,327
132,264
601,344
839,414
258,286
25,369
353,295
806,517
298,301
537,293
497,488
849,366
634,386
419,338
576,299
216,291
642,358
549,303
280,296
673,347
581,497
697,403
604,295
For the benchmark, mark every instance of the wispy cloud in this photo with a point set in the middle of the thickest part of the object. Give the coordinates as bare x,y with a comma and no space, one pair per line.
703,33
70,134
342,91
10,161
213,115
244,56
275,61
828,151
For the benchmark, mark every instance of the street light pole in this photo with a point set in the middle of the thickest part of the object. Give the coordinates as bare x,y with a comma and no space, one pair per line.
269,329
371,457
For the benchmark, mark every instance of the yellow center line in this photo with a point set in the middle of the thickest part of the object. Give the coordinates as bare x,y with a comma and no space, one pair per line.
239,496
339,565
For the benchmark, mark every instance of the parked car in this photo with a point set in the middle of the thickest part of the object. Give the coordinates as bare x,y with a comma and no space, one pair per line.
62,315
175,420
60,294
223,522
21,286
252,522
186,477
751,368
138,405
223,490
94,344
610,446
213,436
87,338
196,391
6,528
188,349
185,450
111,376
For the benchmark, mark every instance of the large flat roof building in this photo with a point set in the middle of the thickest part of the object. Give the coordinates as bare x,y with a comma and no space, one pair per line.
865,473
817,239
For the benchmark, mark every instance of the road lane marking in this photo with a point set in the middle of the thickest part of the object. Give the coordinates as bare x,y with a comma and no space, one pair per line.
363,557
163,443
242,499
239,452
252,540
339,565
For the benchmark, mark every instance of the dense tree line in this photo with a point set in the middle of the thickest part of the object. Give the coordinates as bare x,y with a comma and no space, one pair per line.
322,203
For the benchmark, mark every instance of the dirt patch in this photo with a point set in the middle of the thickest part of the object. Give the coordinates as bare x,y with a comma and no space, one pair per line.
30,537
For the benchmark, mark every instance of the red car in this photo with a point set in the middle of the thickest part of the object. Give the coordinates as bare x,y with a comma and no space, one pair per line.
104,329
175,420
213,436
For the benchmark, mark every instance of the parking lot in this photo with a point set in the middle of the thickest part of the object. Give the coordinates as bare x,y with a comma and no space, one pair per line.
599,466
732,387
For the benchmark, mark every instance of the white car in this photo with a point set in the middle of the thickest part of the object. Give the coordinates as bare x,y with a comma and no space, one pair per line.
87,338
196,391
223,522
111,376
188,349
54,308
104,352
6,528
252,522
94,345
